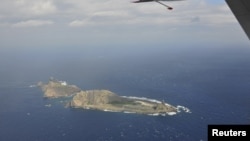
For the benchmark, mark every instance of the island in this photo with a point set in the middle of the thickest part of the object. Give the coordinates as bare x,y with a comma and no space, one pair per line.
104,100
56,89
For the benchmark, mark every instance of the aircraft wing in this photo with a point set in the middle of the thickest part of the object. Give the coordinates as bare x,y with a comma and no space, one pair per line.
241,10
138,1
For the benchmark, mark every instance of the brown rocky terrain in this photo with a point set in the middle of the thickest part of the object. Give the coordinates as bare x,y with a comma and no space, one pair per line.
55,89
104,100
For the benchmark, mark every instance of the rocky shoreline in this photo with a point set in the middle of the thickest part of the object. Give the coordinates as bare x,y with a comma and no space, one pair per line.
104,100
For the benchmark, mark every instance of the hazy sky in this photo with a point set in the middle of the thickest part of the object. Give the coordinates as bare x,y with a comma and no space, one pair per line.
48,23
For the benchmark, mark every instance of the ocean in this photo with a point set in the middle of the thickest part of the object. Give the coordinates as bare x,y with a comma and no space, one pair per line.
213,82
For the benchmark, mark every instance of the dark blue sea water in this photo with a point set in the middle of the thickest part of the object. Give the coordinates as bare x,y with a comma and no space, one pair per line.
213,82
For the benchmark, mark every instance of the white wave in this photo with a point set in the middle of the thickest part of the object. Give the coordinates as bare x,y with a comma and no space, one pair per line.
143,98
171,113
32,86
106,110
48,105
163,114
182,108
154,114
127,112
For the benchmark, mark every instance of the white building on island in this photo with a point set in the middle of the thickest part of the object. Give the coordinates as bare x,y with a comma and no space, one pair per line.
64,83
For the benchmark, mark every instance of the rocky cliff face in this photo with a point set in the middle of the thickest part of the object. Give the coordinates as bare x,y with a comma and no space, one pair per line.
93,97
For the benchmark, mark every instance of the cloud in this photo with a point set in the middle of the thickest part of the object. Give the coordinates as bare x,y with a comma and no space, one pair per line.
104,18
27,8
37,7
79,23
185,13
43,7
120,19
33,23
109,12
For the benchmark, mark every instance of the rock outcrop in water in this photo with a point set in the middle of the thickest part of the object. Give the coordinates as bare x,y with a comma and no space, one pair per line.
104,100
